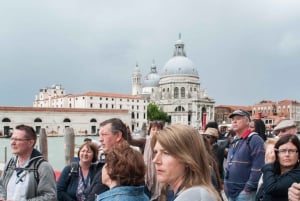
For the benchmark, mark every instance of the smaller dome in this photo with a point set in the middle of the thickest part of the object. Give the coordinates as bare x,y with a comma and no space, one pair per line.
152,79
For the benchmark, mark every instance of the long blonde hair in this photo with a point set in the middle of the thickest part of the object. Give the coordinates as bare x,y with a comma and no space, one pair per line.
185,144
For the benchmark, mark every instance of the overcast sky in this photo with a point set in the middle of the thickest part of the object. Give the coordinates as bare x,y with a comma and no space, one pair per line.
245,51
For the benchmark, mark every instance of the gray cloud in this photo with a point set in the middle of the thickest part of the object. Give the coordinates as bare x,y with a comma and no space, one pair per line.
244,51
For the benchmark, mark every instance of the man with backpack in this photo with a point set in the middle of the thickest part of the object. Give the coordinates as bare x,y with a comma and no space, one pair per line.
245,157
27,176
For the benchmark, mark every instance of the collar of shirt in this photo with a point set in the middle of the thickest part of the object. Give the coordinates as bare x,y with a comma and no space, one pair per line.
246,134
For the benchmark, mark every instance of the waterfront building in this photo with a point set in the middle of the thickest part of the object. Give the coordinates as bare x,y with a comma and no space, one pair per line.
271,111
176,89
56,120
135,105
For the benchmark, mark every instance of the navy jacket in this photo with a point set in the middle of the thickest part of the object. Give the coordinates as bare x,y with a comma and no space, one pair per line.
244,161
68,182
96,186
275,187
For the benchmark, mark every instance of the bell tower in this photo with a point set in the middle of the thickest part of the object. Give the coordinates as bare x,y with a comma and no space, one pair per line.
136,81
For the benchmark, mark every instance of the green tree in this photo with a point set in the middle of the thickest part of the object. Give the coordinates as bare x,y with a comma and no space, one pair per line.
154,113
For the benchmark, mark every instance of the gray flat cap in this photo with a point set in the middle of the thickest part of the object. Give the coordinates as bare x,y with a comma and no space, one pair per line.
285,124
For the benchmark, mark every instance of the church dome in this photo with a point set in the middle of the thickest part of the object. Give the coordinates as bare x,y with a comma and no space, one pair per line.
152,79
179,64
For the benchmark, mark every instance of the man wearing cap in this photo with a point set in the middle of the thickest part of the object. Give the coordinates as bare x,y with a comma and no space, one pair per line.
245,158
285,126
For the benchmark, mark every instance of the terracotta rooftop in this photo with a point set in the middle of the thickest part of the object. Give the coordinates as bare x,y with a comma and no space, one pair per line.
100,94
236,107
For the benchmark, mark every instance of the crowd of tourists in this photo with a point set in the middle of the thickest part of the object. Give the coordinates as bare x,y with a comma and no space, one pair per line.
172,163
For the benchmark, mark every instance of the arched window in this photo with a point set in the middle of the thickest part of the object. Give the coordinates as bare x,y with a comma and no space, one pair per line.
182,92
37,120
6,120
93,120
176,92
179,109
67,120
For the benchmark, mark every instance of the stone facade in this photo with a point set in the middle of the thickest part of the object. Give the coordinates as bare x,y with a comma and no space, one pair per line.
176,90
134,104
55,120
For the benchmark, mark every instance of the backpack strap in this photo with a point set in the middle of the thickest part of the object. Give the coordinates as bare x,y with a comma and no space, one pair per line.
11,164
250,136
35,169
73,170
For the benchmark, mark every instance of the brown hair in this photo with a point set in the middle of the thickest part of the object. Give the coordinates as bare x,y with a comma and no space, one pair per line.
29,132
117,125
281,141
93,147
185,144
125,165
157,124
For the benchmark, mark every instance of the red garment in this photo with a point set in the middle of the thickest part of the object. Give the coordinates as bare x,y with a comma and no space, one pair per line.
246,133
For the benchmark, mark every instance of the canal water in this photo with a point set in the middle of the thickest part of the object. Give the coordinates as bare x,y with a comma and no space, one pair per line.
56,152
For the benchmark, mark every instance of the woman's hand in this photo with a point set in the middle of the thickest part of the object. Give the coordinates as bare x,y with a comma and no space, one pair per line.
270,154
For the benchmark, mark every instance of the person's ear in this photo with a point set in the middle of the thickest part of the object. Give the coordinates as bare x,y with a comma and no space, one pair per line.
119,136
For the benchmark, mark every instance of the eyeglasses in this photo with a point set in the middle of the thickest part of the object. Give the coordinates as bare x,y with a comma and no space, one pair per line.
289,151
19,139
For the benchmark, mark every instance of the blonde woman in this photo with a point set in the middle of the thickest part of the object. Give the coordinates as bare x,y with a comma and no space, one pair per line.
181,163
